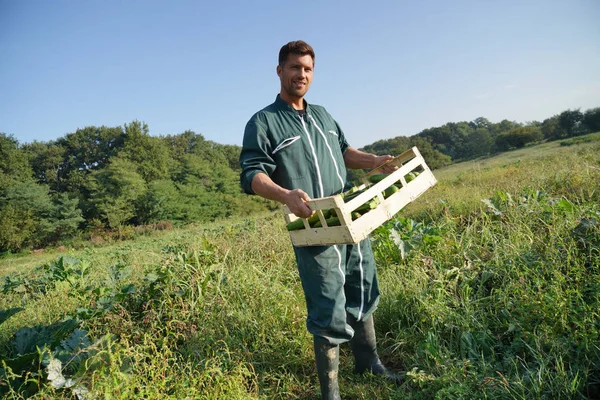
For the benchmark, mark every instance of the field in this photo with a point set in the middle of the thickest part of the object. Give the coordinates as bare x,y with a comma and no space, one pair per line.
490,290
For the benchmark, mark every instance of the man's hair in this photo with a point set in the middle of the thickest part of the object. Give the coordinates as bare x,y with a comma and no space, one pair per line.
298,47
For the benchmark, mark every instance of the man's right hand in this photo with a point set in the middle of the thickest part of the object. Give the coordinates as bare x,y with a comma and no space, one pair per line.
296,201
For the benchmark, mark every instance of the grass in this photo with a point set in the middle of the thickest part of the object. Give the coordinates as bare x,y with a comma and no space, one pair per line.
493,299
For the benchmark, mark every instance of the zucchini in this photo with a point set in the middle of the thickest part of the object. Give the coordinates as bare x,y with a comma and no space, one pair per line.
368,206
296,225
390,191
313,219
331,221
335,221
377,178
355,194
353,189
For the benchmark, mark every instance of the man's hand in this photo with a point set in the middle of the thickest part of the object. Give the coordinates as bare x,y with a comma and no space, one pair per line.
296,201
357,159
388,169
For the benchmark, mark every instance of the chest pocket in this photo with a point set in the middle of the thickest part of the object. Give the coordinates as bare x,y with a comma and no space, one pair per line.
290,158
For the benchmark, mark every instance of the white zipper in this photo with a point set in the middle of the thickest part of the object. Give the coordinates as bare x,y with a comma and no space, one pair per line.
316,161
362,287
337,171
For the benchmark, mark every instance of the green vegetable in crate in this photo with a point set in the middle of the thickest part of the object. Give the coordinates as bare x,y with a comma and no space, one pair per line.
296,225
354,194
332,221
312,220
353,189
390,191
410,176
335,221
376,178
368,206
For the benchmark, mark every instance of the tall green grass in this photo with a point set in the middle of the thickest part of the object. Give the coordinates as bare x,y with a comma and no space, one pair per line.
492,299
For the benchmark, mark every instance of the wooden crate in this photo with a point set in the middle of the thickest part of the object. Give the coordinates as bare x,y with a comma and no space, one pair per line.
355,231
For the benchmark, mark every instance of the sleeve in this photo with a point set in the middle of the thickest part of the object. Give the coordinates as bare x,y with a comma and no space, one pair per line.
341,138
255,156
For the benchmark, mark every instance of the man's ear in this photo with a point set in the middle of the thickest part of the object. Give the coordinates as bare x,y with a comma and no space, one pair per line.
279,71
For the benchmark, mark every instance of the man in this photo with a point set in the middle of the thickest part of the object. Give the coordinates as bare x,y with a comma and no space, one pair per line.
294,151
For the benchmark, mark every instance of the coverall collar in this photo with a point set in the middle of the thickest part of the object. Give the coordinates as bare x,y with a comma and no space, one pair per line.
283,105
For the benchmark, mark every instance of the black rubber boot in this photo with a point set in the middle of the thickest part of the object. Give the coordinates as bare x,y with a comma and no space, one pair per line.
364,348
327,357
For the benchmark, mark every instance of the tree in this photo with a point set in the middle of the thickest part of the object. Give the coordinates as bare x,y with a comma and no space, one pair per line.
518,137
65,217
18,226
47,161
184,143
14,165
91,148
149,154
25,208
591,120
232,154
433,158
87,150
570,123
393,146
449,139
481,122
114,191
505,126
478,143
550,128
161,202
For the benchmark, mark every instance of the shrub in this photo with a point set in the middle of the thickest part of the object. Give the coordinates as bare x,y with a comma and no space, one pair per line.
518,137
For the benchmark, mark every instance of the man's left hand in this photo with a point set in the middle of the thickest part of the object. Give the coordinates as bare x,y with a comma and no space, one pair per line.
387,169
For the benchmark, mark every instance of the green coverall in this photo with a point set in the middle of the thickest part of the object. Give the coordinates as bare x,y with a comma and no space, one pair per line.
306,151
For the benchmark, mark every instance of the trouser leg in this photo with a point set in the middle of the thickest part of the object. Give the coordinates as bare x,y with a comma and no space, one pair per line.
362,292
327,360
322,273
337,279
364,348
361,287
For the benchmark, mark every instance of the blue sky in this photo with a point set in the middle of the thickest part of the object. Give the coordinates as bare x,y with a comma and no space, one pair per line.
383,68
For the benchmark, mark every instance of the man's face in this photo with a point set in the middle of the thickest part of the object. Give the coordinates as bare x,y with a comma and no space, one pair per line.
296,75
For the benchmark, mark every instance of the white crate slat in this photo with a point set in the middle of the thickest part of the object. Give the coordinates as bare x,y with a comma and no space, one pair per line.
356,231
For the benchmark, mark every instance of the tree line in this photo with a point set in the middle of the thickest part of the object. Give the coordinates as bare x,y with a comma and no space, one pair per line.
114,178
463,141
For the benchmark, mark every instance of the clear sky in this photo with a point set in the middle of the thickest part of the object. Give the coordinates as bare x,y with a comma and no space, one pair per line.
383,68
